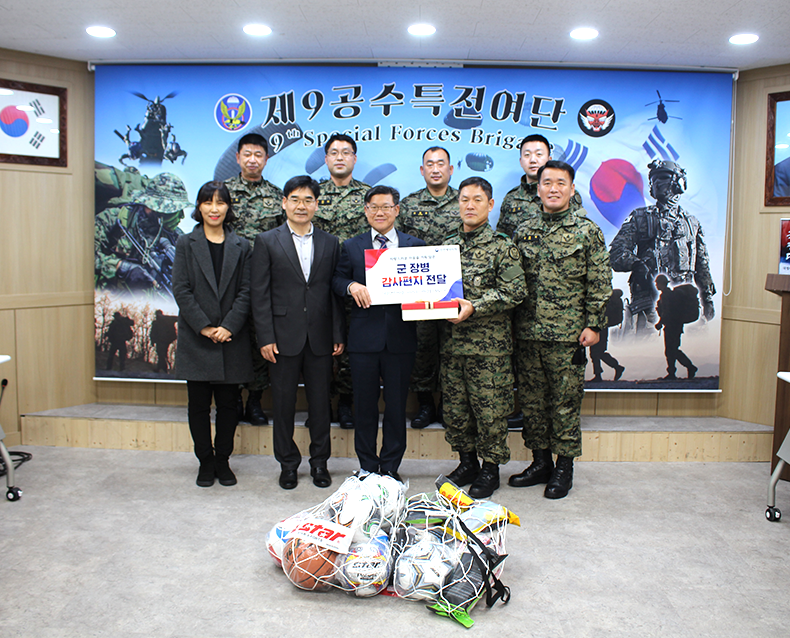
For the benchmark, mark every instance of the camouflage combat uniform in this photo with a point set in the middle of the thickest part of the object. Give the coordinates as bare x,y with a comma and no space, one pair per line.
341,209
430,219
477,376
569,281
118,263
258,207
521,202
114,186
341,212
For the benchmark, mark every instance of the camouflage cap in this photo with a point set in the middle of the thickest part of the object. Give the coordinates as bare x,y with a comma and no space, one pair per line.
165,193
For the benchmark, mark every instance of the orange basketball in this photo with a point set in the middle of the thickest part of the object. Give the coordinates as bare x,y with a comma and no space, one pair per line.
307,565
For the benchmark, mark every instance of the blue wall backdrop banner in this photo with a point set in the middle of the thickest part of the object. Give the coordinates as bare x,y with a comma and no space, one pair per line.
609,125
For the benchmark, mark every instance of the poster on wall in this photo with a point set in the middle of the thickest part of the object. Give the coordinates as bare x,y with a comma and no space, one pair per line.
651,151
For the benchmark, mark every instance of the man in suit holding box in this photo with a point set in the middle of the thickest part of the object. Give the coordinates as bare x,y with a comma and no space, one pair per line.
299,323
380,344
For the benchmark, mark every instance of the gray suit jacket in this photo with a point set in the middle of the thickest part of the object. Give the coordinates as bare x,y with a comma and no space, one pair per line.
287,309
201,302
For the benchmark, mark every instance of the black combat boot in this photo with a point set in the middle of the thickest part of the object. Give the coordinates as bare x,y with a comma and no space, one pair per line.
538,472
561,479
515,421
344,415
486,482
255,414
224,474
467,469
427,412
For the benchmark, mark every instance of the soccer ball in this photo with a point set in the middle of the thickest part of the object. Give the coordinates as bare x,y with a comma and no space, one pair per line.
390,499
423,569
359,512
366,569
278,536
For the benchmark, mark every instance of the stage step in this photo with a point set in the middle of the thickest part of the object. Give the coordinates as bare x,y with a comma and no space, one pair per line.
624,438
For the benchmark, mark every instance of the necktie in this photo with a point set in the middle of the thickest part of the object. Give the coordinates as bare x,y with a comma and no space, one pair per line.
382,241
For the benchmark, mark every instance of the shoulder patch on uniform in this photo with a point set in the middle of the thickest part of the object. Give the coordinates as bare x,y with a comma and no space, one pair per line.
511,272
513,253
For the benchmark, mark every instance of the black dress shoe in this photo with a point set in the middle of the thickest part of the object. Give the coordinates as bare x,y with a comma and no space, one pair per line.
321,477
288,479
393,474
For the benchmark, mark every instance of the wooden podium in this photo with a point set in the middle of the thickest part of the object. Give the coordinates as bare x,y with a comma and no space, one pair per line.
780,285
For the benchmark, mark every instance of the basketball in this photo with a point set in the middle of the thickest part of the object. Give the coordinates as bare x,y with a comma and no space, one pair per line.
309,566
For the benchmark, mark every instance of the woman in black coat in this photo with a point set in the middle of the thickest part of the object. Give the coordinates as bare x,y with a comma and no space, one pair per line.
211,285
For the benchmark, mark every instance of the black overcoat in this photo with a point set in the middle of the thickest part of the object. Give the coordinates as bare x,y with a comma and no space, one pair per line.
201,302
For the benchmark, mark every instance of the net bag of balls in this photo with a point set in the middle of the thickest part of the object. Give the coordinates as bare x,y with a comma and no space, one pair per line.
450,551
343,542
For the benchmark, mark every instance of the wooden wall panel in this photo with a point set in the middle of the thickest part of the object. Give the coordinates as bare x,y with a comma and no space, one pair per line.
749,363
9,415
636,403
54,357
46,253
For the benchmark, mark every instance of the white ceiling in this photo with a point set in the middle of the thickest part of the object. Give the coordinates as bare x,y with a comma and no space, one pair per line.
665,33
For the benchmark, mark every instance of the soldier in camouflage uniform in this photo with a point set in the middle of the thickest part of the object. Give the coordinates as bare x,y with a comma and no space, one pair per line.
430,213
523,200
257,204
114,186
662,239
477,376
134,242
569,280
341,212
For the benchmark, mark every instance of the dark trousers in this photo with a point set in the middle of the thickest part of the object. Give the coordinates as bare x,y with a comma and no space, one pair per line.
199,395
316,371
367,370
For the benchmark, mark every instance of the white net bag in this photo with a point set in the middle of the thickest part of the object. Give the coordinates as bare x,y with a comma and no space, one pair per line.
450,551
343,542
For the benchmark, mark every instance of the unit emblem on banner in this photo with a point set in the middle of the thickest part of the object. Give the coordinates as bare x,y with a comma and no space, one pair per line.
233,112
596,118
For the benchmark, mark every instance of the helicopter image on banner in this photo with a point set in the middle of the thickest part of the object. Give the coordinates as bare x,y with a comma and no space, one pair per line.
153,145
661,110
